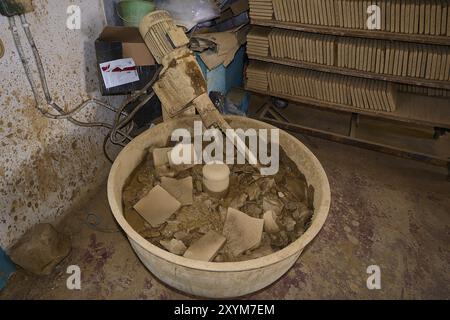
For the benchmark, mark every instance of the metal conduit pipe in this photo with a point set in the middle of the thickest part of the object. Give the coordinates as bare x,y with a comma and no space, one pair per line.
62,114
122,119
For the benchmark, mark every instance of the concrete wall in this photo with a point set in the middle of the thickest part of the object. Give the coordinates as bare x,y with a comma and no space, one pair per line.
48,166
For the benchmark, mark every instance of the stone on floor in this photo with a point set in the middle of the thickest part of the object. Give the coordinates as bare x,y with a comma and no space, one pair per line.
40,249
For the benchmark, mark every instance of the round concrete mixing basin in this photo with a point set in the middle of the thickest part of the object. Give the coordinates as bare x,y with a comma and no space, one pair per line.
208,279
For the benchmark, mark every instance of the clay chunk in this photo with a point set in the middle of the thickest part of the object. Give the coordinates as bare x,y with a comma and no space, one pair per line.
157,206
181,189
270,225
297,187
206,248
273,204
174,246
242,232
160,157
180,161
40,249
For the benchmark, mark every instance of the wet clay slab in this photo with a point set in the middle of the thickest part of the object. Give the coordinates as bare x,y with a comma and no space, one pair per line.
270,225
177,153
161,157
206,248
203,211
174,246
181,189
157,206
242,232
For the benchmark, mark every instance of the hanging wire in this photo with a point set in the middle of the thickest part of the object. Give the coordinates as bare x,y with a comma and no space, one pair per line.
122,125
118,123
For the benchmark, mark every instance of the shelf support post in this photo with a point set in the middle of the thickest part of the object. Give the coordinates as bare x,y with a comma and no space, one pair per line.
354,123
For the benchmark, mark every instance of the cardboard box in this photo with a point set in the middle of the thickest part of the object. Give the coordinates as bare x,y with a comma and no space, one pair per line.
124,42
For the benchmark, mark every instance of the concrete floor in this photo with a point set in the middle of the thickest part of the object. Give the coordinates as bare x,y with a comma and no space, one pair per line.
385,211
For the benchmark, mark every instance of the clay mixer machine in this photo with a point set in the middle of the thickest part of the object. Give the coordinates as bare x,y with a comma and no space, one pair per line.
181,86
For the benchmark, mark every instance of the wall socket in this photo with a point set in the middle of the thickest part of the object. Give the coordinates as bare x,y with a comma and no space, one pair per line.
11,8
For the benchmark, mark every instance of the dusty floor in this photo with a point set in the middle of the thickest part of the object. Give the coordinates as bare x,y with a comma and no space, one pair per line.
385,211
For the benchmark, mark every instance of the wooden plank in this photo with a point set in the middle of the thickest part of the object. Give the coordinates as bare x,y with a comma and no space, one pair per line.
410,109
360,143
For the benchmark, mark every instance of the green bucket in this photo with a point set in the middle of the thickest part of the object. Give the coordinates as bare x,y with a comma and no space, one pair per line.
132,11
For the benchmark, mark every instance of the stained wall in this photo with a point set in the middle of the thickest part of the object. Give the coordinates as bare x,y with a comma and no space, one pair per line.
48,167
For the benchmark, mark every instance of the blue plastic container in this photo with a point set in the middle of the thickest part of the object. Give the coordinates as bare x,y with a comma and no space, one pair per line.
222,79
7,268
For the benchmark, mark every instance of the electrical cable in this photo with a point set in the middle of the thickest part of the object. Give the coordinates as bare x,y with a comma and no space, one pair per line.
41,71
50,102
18,43
49,99
105,150
122,118
116,128
119,124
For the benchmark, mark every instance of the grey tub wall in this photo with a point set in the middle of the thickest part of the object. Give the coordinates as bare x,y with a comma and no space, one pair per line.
47,167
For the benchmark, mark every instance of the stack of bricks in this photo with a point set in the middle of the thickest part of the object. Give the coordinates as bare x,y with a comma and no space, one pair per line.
430,62
261,9
431,92
302,46
321,86
401,16
395,58
257,73
258,41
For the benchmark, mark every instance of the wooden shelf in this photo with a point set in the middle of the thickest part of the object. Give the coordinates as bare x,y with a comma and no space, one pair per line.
414,109
360,143
373,34
355,73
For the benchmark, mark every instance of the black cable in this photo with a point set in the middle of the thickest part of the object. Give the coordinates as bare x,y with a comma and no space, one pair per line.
119,124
